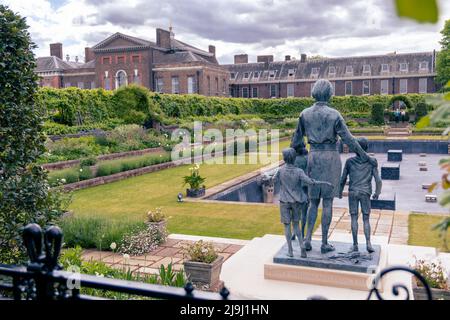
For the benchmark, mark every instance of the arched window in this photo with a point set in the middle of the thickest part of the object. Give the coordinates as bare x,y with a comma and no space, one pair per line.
121,79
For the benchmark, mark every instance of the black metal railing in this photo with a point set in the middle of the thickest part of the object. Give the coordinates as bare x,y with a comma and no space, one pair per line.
44,279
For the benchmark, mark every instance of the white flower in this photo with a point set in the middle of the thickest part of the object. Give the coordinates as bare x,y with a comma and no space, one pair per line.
63,180
113,246
126,258
81,170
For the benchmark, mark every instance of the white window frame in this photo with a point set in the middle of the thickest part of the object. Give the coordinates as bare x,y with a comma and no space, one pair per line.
405,81
349,69
386,81
383,67
191,84
256,74
332,73
291,72
368,87
401,65
159,84
315,72
369,69
254,89
423,87
272,74
275,91
423,68
118,85
246,90
246,77
290,90
235,75
345,88
175,85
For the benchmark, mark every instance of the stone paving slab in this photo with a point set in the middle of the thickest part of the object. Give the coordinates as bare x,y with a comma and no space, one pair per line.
168,252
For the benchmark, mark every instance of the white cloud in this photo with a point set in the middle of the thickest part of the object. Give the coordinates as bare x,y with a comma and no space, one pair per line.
278,27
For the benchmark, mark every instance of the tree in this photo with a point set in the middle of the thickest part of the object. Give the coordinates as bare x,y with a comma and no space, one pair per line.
377,114
25,195
443,57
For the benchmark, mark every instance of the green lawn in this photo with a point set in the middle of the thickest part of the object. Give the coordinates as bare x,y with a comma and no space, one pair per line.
421,233
131,198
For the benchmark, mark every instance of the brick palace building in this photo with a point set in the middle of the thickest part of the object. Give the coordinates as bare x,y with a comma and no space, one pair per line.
171,66
167,66
366,75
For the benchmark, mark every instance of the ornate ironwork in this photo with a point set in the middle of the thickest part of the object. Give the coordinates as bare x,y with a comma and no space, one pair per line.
44,279
397,289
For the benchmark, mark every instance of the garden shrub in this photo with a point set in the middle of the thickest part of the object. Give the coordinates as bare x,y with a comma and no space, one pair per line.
75,148
85,173
377,114
89,161
139,242
25,196
95,231
421,110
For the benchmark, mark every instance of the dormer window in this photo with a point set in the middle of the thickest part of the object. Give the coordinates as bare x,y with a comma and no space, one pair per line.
256,75
272,73
423,66
291,73
366,68
403,67
246,75
384,67
332,70
233,75
314,71
349,69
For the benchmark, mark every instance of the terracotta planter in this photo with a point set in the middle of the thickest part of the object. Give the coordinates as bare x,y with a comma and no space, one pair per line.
205,273
195,193
421,294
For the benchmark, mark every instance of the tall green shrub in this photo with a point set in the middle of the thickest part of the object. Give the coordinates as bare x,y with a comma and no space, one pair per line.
24,191
377,114
421,110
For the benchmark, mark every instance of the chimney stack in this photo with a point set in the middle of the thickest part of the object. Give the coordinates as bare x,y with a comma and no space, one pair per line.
265,58
163,38
88,54
212,49
56,50
303,57
240,58
287,58
67,57
76,58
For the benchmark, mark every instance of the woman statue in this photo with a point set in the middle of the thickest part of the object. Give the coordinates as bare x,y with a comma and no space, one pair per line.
322,125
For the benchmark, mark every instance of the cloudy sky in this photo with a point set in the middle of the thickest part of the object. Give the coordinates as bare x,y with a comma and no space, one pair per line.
280,27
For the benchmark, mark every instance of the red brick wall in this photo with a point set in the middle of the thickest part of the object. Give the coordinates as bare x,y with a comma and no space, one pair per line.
126,61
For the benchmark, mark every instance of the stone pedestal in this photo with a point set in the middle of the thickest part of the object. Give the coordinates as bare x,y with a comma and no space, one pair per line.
395,155
336,269
390,171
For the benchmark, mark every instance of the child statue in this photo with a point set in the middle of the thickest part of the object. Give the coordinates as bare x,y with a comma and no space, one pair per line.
301,161
360,188
293,197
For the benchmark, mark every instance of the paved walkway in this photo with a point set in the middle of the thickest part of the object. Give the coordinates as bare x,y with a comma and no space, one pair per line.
391,224
169,252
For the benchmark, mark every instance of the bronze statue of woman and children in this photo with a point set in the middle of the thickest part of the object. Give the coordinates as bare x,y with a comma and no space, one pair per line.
308,177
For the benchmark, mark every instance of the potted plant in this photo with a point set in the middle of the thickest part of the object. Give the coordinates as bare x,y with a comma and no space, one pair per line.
436,277
203,263
195,182
157,218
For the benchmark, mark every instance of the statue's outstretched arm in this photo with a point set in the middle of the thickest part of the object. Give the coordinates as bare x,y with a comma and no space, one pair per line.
348,139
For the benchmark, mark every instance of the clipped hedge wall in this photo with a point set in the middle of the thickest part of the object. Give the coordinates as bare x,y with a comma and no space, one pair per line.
73,106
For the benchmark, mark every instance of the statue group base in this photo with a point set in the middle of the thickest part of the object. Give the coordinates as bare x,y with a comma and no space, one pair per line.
338,268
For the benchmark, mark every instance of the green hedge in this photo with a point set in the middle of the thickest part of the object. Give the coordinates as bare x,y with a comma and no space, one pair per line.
132,104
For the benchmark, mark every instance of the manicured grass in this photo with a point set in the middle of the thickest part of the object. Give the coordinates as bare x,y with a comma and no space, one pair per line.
382,137
421,233
130,199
